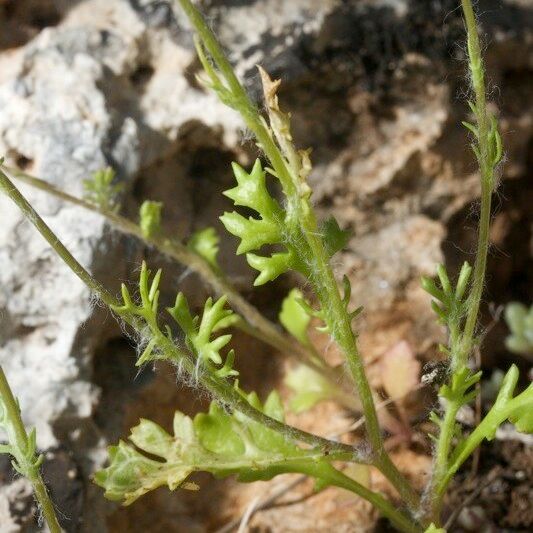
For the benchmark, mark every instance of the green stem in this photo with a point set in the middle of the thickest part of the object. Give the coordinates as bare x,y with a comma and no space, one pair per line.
259,326
440,467
26,460
228,395
340,325
334,477
253,322
447,430
222,390
323,280
7,186
487,181
242,101
503,409
461,345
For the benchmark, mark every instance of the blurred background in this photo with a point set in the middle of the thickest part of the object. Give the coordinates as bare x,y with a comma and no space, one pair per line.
377,89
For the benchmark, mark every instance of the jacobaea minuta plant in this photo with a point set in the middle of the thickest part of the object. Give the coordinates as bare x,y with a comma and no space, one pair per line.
240,434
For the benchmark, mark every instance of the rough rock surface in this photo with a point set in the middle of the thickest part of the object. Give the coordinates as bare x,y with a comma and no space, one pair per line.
374,89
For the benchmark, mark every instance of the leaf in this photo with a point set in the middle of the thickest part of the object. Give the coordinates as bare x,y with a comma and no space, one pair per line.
400,370
254,233
216,432
131,474
251,191
434,529
205,243
22,449
216,442
200,336
294,317
460,390
271,267
101,191
309,388
520,321
150,218
517,409
268,229
335,239
449,304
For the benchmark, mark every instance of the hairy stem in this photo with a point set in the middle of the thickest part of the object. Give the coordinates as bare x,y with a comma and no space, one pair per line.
242,102
493,419
334,477
7,186
253,322
323,279
487,169
461,345
259,326
442,452
221,389
19,444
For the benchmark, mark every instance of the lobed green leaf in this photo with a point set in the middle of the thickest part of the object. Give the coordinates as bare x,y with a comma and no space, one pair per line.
335,239
216,442
254,233
199,333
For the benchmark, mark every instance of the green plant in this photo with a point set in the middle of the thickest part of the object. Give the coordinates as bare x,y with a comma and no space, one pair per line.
198,255
249,438
520,321
101,190
22,447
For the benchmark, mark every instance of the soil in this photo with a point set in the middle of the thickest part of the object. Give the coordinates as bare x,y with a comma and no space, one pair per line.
501,486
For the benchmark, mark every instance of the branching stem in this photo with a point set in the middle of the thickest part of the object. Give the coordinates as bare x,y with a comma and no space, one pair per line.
323,279
461,345
253,322
336,478
221,389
